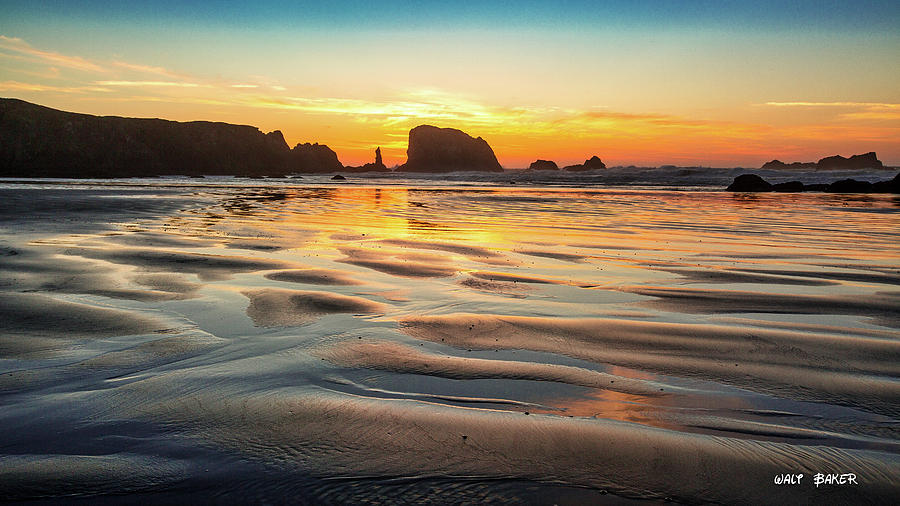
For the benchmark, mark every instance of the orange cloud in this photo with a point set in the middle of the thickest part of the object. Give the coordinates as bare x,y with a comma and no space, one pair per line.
864,111
872,115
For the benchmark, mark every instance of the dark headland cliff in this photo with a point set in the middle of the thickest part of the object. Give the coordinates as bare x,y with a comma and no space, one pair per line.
37,141
433,149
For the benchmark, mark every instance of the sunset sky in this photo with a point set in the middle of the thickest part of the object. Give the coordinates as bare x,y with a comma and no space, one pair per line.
715,83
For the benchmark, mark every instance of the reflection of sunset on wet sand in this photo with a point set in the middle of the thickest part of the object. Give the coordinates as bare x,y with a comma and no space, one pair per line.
482,343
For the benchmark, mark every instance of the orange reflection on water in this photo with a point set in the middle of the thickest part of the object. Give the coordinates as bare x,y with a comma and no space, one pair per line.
582,235
613,405
669,410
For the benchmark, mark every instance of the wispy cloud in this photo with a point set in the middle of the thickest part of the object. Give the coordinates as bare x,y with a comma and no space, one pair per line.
45,73
14,48
879,105
162,84
147,69
18,45
851,111
623,117
46,69
427,105
169,100
389,110
19,86
649,125
872,115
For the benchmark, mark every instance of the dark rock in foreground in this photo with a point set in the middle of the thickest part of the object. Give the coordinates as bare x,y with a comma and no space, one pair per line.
543,165
37,141
850,186
338,177
749,183
789,187
837,162
890,186
754,183
594,163
433,149
377,166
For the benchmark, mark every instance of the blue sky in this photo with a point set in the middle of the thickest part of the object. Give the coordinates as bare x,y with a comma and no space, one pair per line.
584,15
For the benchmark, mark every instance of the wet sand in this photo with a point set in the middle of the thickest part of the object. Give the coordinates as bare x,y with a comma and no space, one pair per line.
177,342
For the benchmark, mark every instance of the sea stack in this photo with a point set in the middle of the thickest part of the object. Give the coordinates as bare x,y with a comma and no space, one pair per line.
543,165
378,166
864,161
314,158
593,163
779,165
433,149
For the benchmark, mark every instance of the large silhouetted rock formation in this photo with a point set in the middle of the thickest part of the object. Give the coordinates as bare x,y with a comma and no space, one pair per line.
37,141
863,161
378,166
594,163
779,165
433,149
314,158
837,162
753,183
543,165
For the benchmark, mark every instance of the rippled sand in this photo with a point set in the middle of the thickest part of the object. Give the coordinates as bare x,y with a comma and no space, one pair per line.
354,344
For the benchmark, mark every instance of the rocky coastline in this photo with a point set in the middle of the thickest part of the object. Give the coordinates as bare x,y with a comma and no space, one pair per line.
40,142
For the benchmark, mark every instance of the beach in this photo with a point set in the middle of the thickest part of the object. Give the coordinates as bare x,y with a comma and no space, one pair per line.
406,341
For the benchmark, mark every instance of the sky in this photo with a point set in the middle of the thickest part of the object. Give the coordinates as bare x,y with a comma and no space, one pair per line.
711,83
